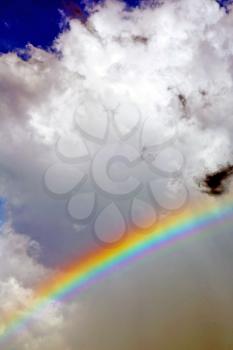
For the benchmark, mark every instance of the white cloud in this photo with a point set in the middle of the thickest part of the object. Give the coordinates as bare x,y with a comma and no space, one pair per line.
20,273
150,57
174,63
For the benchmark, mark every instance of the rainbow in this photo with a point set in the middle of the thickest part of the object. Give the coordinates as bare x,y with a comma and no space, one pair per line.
80,273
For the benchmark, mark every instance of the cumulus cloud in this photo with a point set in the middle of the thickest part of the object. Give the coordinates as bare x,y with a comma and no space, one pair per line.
170,66
171,62
20,273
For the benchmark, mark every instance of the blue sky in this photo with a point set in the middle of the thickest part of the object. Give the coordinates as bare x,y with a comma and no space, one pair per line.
37,21
33,21
27,21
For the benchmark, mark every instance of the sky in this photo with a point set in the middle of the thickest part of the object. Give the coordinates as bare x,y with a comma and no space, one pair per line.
2,204
35,22
39,22
112,120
